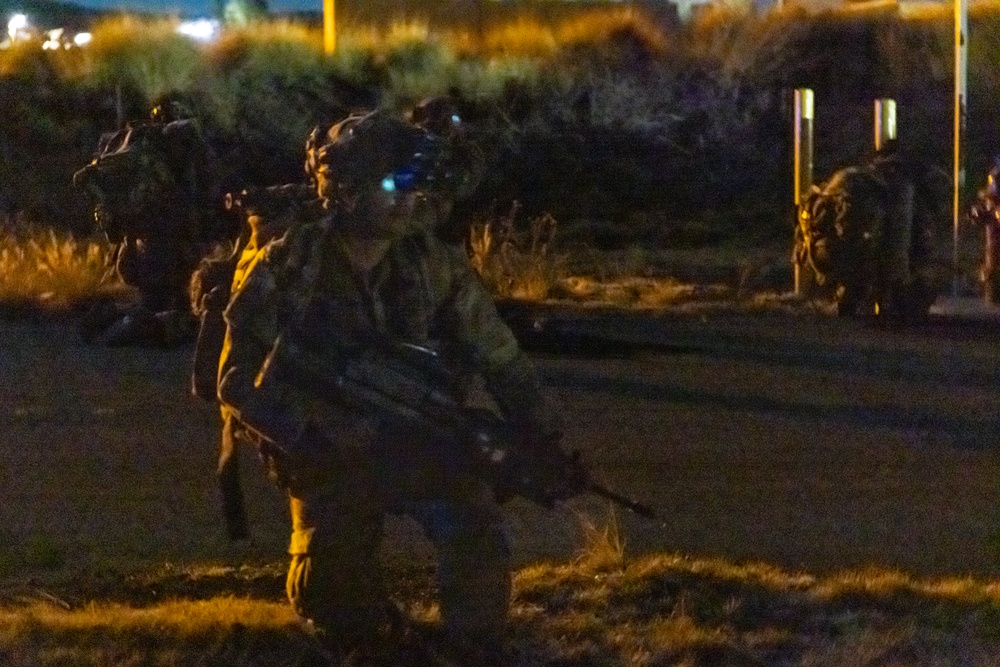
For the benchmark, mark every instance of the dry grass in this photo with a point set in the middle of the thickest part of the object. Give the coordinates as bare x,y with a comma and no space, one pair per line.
516,264
599,609
54,270
527,265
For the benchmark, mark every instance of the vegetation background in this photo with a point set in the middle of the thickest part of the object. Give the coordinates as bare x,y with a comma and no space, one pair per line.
624,125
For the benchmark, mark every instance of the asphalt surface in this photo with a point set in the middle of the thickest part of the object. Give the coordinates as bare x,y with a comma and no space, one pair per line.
803,440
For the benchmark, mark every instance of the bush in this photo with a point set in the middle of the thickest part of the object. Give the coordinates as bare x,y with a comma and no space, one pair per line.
606,114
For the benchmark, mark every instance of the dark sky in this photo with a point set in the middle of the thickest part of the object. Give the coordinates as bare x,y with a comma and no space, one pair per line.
191,7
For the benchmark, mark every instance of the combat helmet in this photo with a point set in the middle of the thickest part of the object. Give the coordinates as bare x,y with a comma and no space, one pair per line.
371,148
167,110
438,115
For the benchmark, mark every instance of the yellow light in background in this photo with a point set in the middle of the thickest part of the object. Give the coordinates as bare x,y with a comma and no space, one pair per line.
329,27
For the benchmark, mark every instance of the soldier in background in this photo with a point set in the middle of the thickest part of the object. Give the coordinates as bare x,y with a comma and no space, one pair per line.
369,271
154,197
268,213
985,213
471,172
871,233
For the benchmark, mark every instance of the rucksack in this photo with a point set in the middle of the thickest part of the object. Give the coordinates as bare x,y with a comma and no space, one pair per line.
150,179
840,226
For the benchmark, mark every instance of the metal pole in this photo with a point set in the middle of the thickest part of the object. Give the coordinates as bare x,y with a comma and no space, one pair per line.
803,174
885,122
329,27
961,81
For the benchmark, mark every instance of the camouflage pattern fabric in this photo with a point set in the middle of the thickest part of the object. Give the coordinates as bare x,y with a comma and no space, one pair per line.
424,291
269,212
868,237
841,226
152,193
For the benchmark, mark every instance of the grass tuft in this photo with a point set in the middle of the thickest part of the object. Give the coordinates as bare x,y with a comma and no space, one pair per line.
603,545
55,270
601,608
517,264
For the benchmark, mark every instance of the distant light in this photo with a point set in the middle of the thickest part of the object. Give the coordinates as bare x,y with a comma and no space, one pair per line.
82,38
202,29
16,24
53,40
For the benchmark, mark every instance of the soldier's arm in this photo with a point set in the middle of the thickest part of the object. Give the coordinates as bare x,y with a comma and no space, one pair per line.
509,374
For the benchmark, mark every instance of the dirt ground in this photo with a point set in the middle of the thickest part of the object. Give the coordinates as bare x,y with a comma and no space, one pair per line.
803,440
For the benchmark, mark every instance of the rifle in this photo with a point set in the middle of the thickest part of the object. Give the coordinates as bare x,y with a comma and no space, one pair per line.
403,381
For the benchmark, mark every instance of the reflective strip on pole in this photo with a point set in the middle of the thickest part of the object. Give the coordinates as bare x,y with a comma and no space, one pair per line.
885,122
961,80
329,27
803,143
803,173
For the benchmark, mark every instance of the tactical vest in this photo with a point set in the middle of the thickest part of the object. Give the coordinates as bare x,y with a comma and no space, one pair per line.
330,304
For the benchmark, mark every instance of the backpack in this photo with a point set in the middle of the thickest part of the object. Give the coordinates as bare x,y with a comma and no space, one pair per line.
841,225
150,179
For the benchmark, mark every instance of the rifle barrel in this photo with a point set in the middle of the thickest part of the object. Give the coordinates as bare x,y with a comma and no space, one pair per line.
645,511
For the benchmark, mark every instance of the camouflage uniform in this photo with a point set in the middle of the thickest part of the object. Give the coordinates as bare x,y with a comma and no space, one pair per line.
269,213
985,213
868,234
418,289
153,198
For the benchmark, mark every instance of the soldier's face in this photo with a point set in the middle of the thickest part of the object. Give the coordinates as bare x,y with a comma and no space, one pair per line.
377,213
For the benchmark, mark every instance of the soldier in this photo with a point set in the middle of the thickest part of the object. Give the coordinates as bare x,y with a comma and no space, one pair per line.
269,213
472,168
153,197
869,235
985,213
371,271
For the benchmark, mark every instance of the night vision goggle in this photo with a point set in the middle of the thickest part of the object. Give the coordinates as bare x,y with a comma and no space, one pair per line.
423,170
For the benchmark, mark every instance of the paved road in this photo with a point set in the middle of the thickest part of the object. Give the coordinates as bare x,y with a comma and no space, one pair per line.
810,442
805,441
